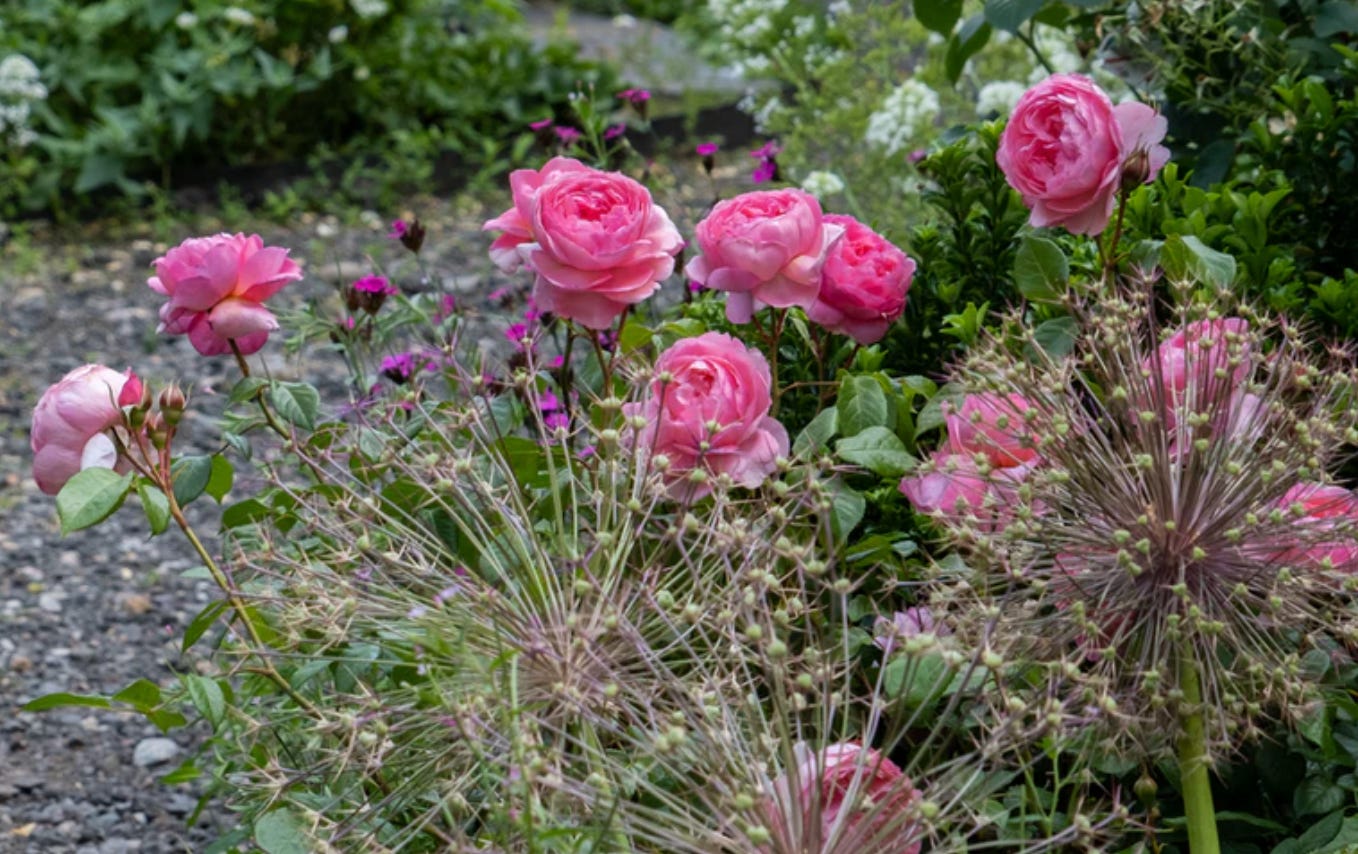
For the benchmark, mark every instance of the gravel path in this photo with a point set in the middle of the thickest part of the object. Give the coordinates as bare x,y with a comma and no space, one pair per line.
94,611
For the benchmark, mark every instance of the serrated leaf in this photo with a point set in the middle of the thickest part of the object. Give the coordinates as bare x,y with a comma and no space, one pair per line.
861,404
1009,15
207,698
818,433
189,476
91,497
61,698
939,16
247,388
1040,269
142,695
877,449
222,476
296,402
155,505
201,623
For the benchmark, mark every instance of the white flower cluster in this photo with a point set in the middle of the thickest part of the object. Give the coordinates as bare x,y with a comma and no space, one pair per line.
1059,50
998,98
822,184
909,107
745,23
20,86
239,16
368,9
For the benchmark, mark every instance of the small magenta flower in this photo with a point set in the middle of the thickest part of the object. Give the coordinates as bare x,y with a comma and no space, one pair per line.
567,134
369,292
615,131
400,367
635,97
541,124
706,149
767,155
398,230
554,420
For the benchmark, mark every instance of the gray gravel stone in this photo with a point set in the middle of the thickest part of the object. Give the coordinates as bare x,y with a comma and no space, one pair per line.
154,751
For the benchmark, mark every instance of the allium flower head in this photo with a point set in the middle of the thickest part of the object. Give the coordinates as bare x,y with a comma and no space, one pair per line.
1167,535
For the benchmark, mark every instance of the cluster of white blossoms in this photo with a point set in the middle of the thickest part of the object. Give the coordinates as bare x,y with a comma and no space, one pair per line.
240,17
746,23
20,87
1059,50
822,184
909,107
998,97
369,9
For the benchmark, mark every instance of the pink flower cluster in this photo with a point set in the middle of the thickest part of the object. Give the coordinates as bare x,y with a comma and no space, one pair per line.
595,240
1068,151
845,797
776,247
708,410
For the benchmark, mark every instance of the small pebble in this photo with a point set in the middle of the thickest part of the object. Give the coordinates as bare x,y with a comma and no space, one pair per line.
153,751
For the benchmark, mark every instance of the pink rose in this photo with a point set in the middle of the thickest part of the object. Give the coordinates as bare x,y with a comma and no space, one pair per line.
596,240
1065,147
1324,508
769,245
844,798
71,424
216,288
863,283
712,414
1193,356
953,489
993,425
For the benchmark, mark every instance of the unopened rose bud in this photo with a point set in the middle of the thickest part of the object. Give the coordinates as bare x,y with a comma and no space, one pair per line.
1136,170
133,391
157,431
172,404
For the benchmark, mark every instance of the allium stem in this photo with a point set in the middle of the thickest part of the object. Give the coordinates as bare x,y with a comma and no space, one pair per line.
1194,776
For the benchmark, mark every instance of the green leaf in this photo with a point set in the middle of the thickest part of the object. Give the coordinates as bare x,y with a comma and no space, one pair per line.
1056,336
1040,269
1009,15
1318,795
635,336
190,476
56,701
1335,17
155,505
917,679
245,512
818,433
1322,832
207,698
862,404
201,623
296,402
183,774
1186,258
938,15
98,169
247,388
877,449
142,695
846,511
220,480
281,832
91,497
963,46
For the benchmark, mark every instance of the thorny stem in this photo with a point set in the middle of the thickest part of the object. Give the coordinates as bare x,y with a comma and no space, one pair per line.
1195,779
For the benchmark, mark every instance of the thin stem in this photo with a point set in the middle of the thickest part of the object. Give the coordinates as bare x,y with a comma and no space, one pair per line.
1110,256
269,418
1027,39
240,357
779,315
1194,776
237,604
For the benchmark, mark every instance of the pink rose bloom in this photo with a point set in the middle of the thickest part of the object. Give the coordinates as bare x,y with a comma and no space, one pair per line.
713,414
216,288
596,240
71,424
1324,507
863,284
912,622
769,245
844,798
993,425
953,489
1065,147
1192,356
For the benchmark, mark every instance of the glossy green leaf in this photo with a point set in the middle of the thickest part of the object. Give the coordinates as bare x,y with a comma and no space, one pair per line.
222,476
155,505
818,433
940,16
91,497
190,476
1187,258
877,449
61,698
1009,15
861,404
207,698
1040,269
297,403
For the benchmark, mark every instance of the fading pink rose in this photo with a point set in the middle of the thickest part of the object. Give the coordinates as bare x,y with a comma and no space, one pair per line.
993,425
217,286
953,489
1194,356
844,798
71,424
1065,147
768,245
712,414
596,240
1321,508
863,283
910,623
